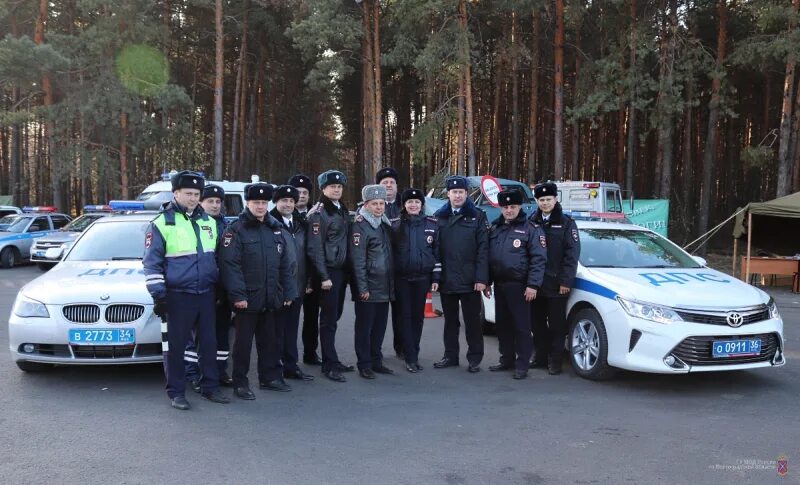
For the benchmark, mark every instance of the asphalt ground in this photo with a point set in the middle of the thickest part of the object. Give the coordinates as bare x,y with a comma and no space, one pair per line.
114,424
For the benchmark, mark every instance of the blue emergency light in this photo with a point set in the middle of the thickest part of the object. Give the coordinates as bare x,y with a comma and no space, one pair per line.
126,205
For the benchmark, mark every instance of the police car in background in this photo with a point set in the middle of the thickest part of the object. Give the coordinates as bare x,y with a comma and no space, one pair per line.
66,236
18,231
641,303
93,307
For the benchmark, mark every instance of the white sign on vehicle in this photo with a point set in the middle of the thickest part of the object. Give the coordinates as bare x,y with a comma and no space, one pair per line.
490,188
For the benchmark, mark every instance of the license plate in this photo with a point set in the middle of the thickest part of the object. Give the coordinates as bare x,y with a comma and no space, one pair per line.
102,336
38,254
735,348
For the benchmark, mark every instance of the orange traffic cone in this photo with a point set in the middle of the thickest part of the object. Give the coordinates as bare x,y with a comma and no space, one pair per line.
429,311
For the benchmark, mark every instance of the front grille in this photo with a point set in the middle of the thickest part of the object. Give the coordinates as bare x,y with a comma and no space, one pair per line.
47,245
49,350
102,351
123,313
82,313
697,350
145,350
720,318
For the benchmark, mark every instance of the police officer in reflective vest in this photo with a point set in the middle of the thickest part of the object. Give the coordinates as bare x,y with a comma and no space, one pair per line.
310,333
373,278
517,259
285,198
258,270
549,312
180,268
418,268
212,200
389,178
329,222
464,239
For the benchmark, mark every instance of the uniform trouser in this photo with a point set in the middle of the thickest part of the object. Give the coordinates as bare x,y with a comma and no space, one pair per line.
288,323
411,301
398,341
262,326
370,328
186,313
331,304
513,324
473,328
311,322
223,325
549,324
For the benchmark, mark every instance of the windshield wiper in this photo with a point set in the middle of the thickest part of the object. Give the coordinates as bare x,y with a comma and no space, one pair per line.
125,258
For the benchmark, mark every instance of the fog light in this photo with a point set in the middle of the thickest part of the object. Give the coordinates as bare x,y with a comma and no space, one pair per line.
28,348
669,360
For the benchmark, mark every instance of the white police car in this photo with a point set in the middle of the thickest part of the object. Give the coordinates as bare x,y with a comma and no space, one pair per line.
641,303
93,307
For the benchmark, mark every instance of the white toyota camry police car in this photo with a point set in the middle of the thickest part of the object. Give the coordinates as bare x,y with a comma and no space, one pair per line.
641,303
92,307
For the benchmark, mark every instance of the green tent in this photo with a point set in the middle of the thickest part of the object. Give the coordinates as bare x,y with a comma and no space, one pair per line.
5,200
787,206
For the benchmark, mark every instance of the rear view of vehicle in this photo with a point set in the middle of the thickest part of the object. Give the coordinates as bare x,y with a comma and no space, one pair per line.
93,307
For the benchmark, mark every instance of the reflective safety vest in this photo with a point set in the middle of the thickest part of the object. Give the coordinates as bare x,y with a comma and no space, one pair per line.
184,238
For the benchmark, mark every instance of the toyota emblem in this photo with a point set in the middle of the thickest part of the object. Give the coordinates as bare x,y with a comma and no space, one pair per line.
734,319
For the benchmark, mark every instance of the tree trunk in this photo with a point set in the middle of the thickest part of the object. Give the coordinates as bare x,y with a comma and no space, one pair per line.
123,154
631,150
461,129
469,133
710,152
784,155
576,125
558,88
218,83
367,94
665,130
533,122
515,115
47,88
233,162
377,130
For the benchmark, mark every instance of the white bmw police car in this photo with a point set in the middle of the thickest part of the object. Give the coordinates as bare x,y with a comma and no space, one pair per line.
641,303
91,308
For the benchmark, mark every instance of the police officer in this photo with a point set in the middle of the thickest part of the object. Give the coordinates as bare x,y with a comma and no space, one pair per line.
517,259
373,278
464,240
417,269
285,198
181,274
304,186
549,312
211,200
388,178
329,223
258,270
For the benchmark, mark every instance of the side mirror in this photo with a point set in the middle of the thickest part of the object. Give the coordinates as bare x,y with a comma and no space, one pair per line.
700,261
54,253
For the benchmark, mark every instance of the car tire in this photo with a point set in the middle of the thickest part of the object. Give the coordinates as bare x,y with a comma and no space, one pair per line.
9,257
28,366
45,266
588,345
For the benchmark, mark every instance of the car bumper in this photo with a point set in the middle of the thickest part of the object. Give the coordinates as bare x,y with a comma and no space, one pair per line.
641,345
50,341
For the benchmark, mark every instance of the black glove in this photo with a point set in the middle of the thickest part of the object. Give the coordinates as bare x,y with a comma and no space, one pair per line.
160,308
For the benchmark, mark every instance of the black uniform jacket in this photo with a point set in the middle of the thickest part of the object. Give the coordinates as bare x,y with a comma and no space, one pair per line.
517,251
257,265
563,250
372,258
416,248
299,233
327,238
464,246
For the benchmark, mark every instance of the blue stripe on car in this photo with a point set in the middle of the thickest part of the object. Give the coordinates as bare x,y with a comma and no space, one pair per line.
592,287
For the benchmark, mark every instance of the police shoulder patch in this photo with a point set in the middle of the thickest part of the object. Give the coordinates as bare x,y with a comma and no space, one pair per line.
356,238
227,238
543,241
148,239
575,235
315,228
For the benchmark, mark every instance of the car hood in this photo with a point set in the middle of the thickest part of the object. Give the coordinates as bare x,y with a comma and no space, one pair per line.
60,236
101,282
677,287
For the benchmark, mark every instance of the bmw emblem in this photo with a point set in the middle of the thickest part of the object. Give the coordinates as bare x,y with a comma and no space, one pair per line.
105,296
734,319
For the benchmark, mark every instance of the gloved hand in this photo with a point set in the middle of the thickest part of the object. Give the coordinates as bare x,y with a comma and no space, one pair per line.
160,308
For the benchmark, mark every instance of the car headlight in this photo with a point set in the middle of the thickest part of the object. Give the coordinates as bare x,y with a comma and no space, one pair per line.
28,308
649,311
773,309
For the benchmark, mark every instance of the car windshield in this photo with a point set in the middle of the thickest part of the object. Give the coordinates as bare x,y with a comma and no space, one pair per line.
477,196
618,248
163,196
119,240
14,223
82,222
